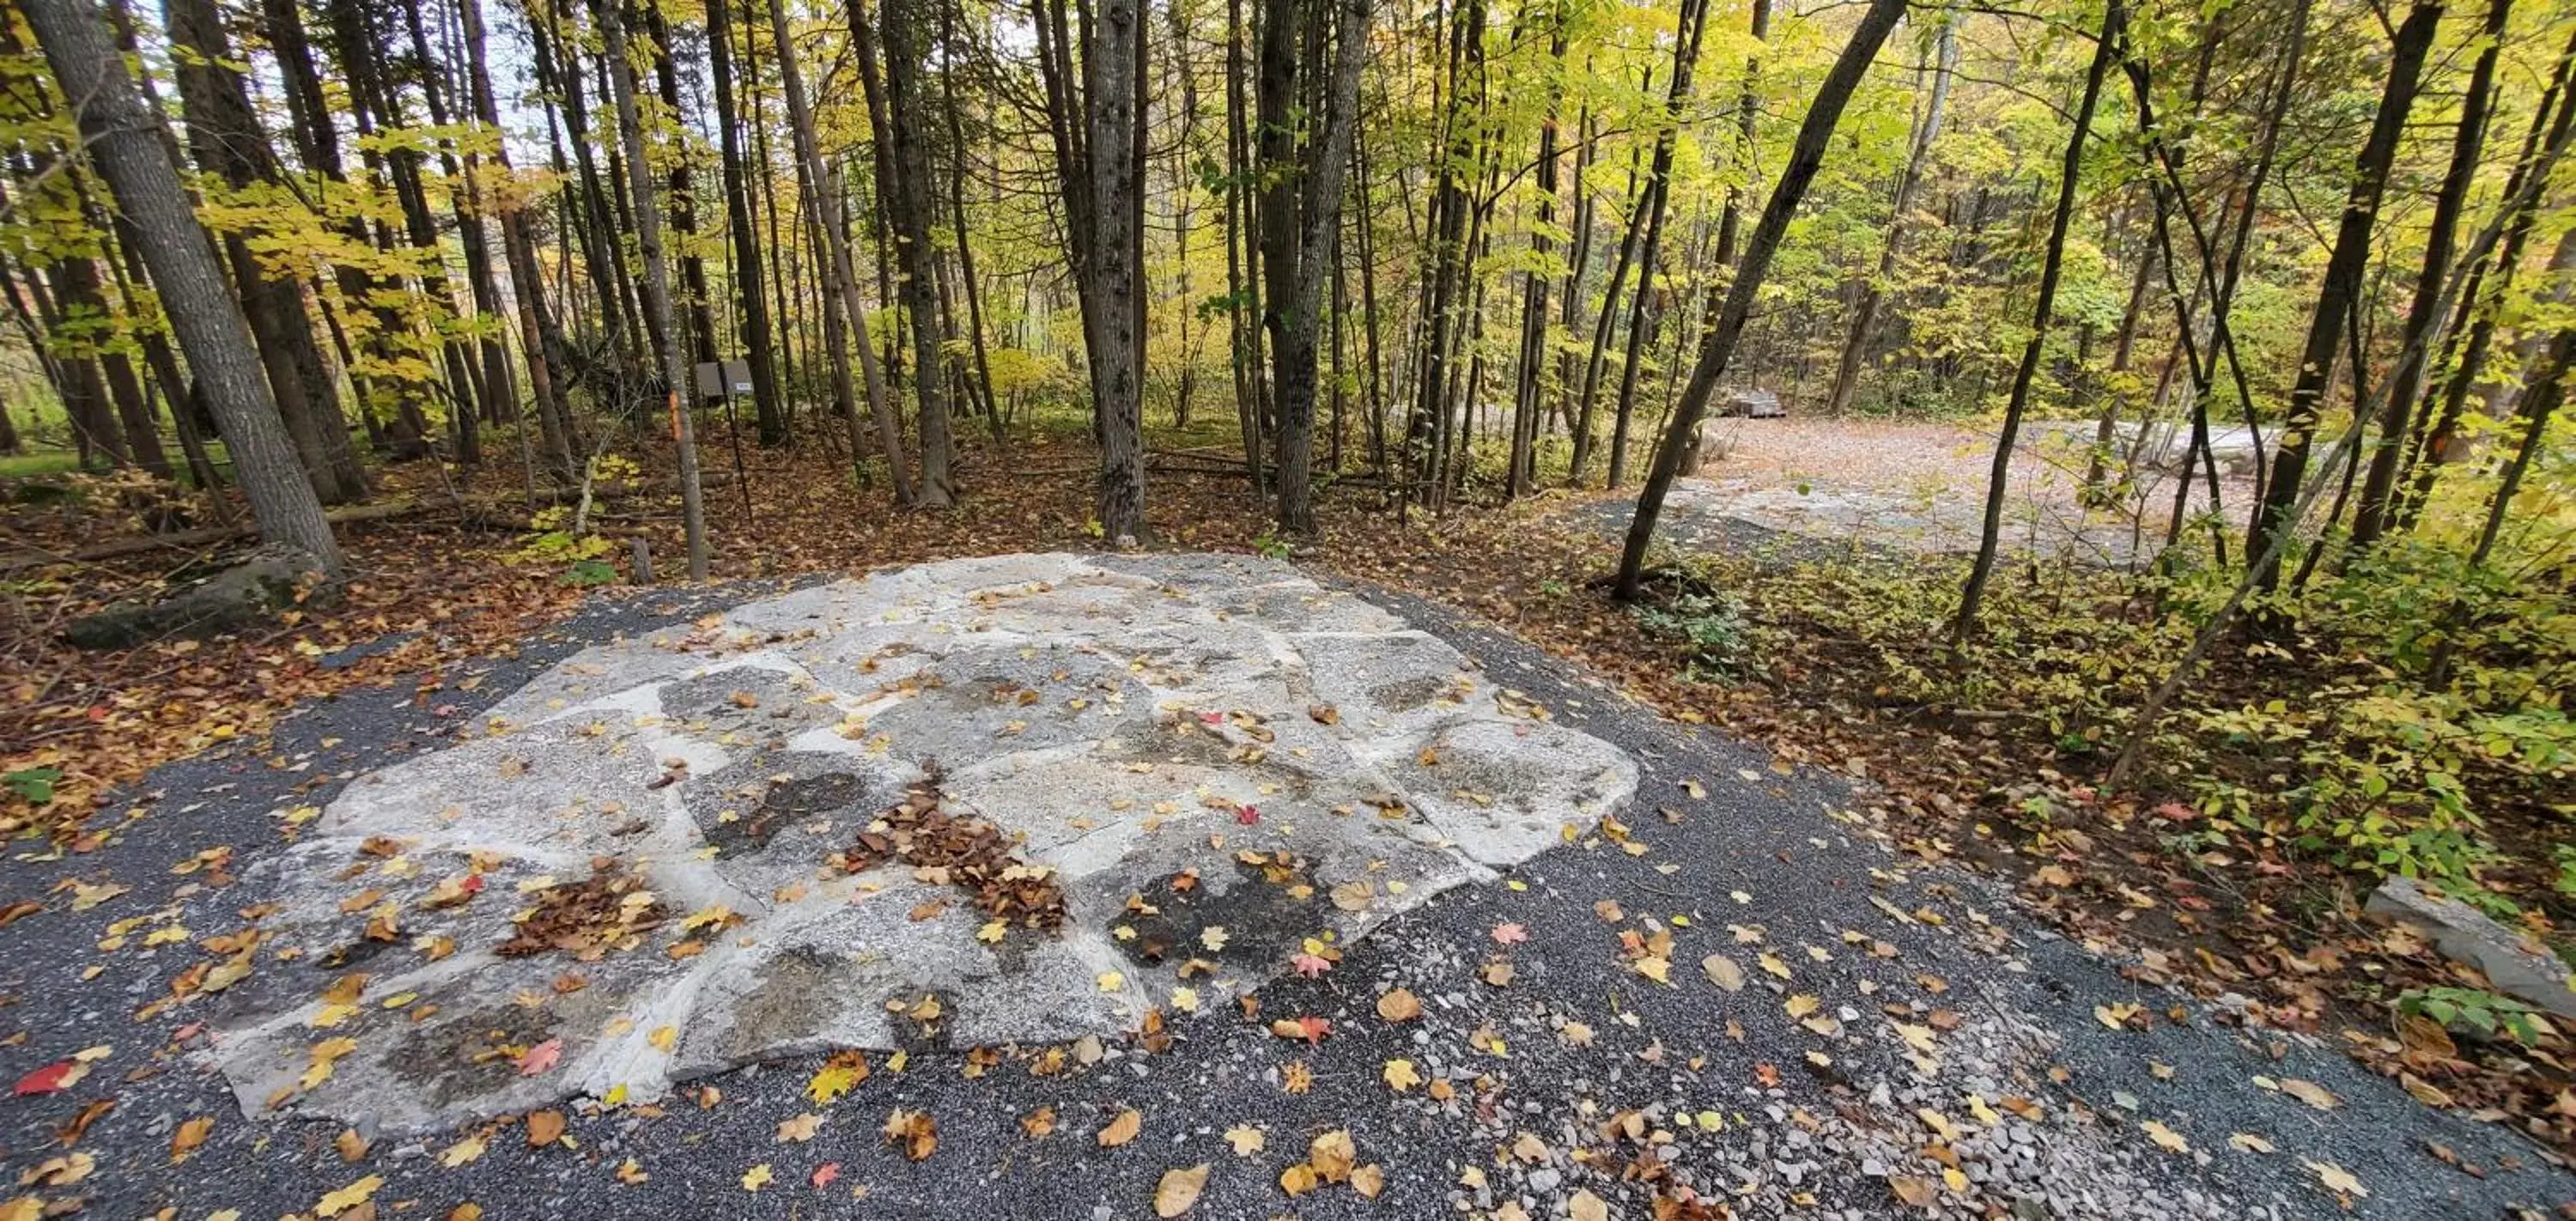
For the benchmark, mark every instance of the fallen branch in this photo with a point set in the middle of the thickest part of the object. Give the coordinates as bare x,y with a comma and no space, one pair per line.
508,508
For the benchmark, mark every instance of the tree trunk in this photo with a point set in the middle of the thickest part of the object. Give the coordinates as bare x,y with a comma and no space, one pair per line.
1864,322
907,201
1805,156
125,144
1686,38
657,278
1302,177
2052,261
539,338
2381,483
2342,285
1114,145
769,420
843,277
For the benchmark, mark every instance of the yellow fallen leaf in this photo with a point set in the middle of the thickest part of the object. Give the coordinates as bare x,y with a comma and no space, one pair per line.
2338,1180
1179,1190
799,1129
756,1178
1400,1076
351,1196
1246,1139
463,1151
2166,1138
1122,1129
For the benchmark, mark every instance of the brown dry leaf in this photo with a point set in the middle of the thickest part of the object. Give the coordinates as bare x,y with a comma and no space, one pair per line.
1399,1006
1179,1190
1246,1139
799,1129
544,1127
350,1145
2311,1093
1122,1129
1918,1192
1368,1180
1299,1179
191,1135
1722,971
2166,1138
914,1132
1039,1124
1586,1206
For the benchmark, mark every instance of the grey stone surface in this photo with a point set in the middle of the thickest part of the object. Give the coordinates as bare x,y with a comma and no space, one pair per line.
2516,966
1216,759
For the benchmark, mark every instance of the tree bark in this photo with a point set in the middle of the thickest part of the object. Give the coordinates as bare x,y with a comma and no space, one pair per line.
2341,287
227,141
2380,484
907,200
125,144
2042,311
843,276
1864,320
770,422
657,278
1806,155
1302,174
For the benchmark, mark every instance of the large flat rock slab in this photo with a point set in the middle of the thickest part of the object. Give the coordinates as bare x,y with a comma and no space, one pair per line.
1016,799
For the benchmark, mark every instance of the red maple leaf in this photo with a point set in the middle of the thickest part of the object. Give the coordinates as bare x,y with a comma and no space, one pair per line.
1311,965
52,1078
825,1173
1510,934
1247,815
1316,1028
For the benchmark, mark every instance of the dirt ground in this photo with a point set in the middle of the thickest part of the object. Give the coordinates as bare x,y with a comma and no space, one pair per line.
1920,486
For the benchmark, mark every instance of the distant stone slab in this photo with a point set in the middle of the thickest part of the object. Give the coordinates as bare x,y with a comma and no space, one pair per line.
2514,965
668,856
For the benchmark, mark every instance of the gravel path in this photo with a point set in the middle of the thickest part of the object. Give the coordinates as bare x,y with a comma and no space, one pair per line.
1935,1029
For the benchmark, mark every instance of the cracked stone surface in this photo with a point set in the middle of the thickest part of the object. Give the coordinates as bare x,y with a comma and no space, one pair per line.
1219,762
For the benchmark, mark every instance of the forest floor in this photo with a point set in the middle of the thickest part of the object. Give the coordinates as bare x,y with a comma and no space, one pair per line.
441,599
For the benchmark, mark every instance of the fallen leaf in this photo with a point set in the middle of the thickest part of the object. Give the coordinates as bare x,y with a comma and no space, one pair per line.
541,1057
2166,1138
1400,1076
1722,971
801,1128
349,1197
1179,1190
1122,1129
544,1127
1399,1006
2311,1093
190,1135
756,1178
1247,1140
2338,1180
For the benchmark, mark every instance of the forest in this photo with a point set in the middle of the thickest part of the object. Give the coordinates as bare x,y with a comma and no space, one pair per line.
478,304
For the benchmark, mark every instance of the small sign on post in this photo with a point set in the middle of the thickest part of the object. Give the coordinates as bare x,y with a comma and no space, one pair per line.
724,379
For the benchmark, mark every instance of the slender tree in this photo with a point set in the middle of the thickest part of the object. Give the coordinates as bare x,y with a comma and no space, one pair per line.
657,277
2043,311
1806,156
